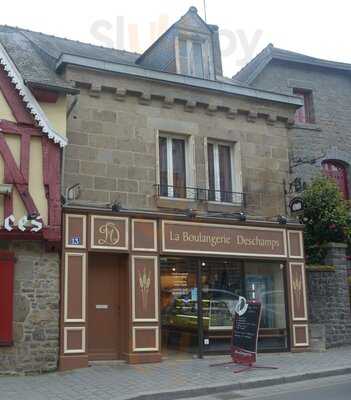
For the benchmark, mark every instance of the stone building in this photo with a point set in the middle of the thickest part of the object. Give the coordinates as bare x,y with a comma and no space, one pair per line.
180,203
32,133
319,142
320,139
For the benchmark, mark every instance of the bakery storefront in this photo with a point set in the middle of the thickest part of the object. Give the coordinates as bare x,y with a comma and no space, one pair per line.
141,288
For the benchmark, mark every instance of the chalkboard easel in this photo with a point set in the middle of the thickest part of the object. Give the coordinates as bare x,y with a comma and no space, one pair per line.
245,338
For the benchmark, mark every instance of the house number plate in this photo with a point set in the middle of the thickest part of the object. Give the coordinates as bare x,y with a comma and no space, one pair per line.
101,306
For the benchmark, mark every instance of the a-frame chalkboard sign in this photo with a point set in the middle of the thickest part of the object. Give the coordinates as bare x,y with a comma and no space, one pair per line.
245,337
245,329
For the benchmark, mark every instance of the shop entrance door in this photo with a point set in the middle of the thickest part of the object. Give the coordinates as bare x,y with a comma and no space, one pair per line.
179,307
104,316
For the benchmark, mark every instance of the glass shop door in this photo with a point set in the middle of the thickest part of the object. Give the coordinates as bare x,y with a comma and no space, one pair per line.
179,307
222,282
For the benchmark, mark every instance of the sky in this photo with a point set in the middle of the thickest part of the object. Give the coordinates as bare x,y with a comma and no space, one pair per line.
317,28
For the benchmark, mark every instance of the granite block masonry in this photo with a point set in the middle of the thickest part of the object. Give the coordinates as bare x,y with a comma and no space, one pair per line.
36,311
329,301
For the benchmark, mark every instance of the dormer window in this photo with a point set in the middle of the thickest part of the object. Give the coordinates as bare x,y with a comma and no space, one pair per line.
192,56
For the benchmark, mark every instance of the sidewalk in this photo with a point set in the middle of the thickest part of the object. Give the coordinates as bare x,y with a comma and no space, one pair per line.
172,378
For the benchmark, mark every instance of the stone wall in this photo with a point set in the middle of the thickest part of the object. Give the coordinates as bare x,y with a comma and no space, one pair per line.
329,301
330,136
112,131
36,310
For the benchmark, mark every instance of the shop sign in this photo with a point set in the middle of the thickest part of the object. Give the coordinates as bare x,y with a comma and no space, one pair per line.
109,232
296,205
200,238
23,224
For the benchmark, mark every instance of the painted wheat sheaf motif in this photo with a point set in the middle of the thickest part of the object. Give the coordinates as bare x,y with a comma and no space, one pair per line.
144,284
111,234
297,287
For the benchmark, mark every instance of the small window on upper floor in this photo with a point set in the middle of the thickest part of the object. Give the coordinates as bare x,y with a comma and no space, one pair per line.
304,114
173,160
191,58
223,173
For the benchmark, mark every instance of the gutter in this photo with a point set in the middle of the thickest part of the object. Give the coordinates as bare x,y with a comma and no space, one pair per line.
60,89
188,81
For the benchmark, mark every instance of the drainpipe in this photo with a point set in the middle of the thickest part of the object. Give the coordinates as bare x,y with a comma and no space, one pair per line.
68,113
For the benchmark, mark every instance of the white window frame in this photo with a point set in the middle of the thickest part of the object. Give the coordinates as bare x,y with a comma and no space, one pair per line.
235,162
207,57
189,161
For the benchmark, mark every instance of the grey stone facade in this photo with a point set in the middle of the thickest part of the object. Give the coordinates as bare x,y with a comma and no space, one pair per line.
329,138
36,310
113,141
329,301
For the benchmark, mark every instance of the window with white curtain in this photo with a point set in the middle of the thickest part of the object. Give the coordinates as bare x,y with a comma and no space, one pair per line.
221,172
173,165
191,58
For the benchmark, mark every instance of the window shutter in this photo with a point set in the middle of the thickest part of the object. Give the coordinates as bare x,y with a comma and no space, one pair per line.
6,297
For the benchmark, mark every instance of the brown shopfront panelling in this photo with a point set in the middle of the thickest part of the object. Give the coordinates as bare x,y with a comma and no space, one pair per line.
298,306
108,233
128,283
75,291
295,244
214,239
144,345
139,293
298,298
75,231
74,340
145,338
145,288
144,235
301,335
145,309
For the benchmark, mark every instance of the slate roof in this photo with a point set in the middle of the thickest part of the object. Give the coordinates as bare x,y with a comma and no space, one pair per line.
252,69
35,55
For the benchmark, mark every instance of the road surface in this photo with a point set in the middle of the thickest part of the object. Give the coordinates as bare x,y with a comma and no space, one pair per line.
333,388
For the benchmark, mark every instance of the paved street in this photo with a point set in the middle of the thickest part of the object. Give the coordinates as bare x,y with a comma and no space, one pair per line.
123,381
333,388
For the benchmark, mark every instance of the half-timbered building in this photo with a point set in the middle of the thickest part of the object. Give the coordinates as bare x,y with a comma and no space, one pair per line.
32,135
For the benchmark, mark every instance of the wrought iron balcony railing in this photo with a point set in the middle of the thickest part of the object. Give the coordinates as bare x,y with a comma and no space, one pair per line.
199,194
